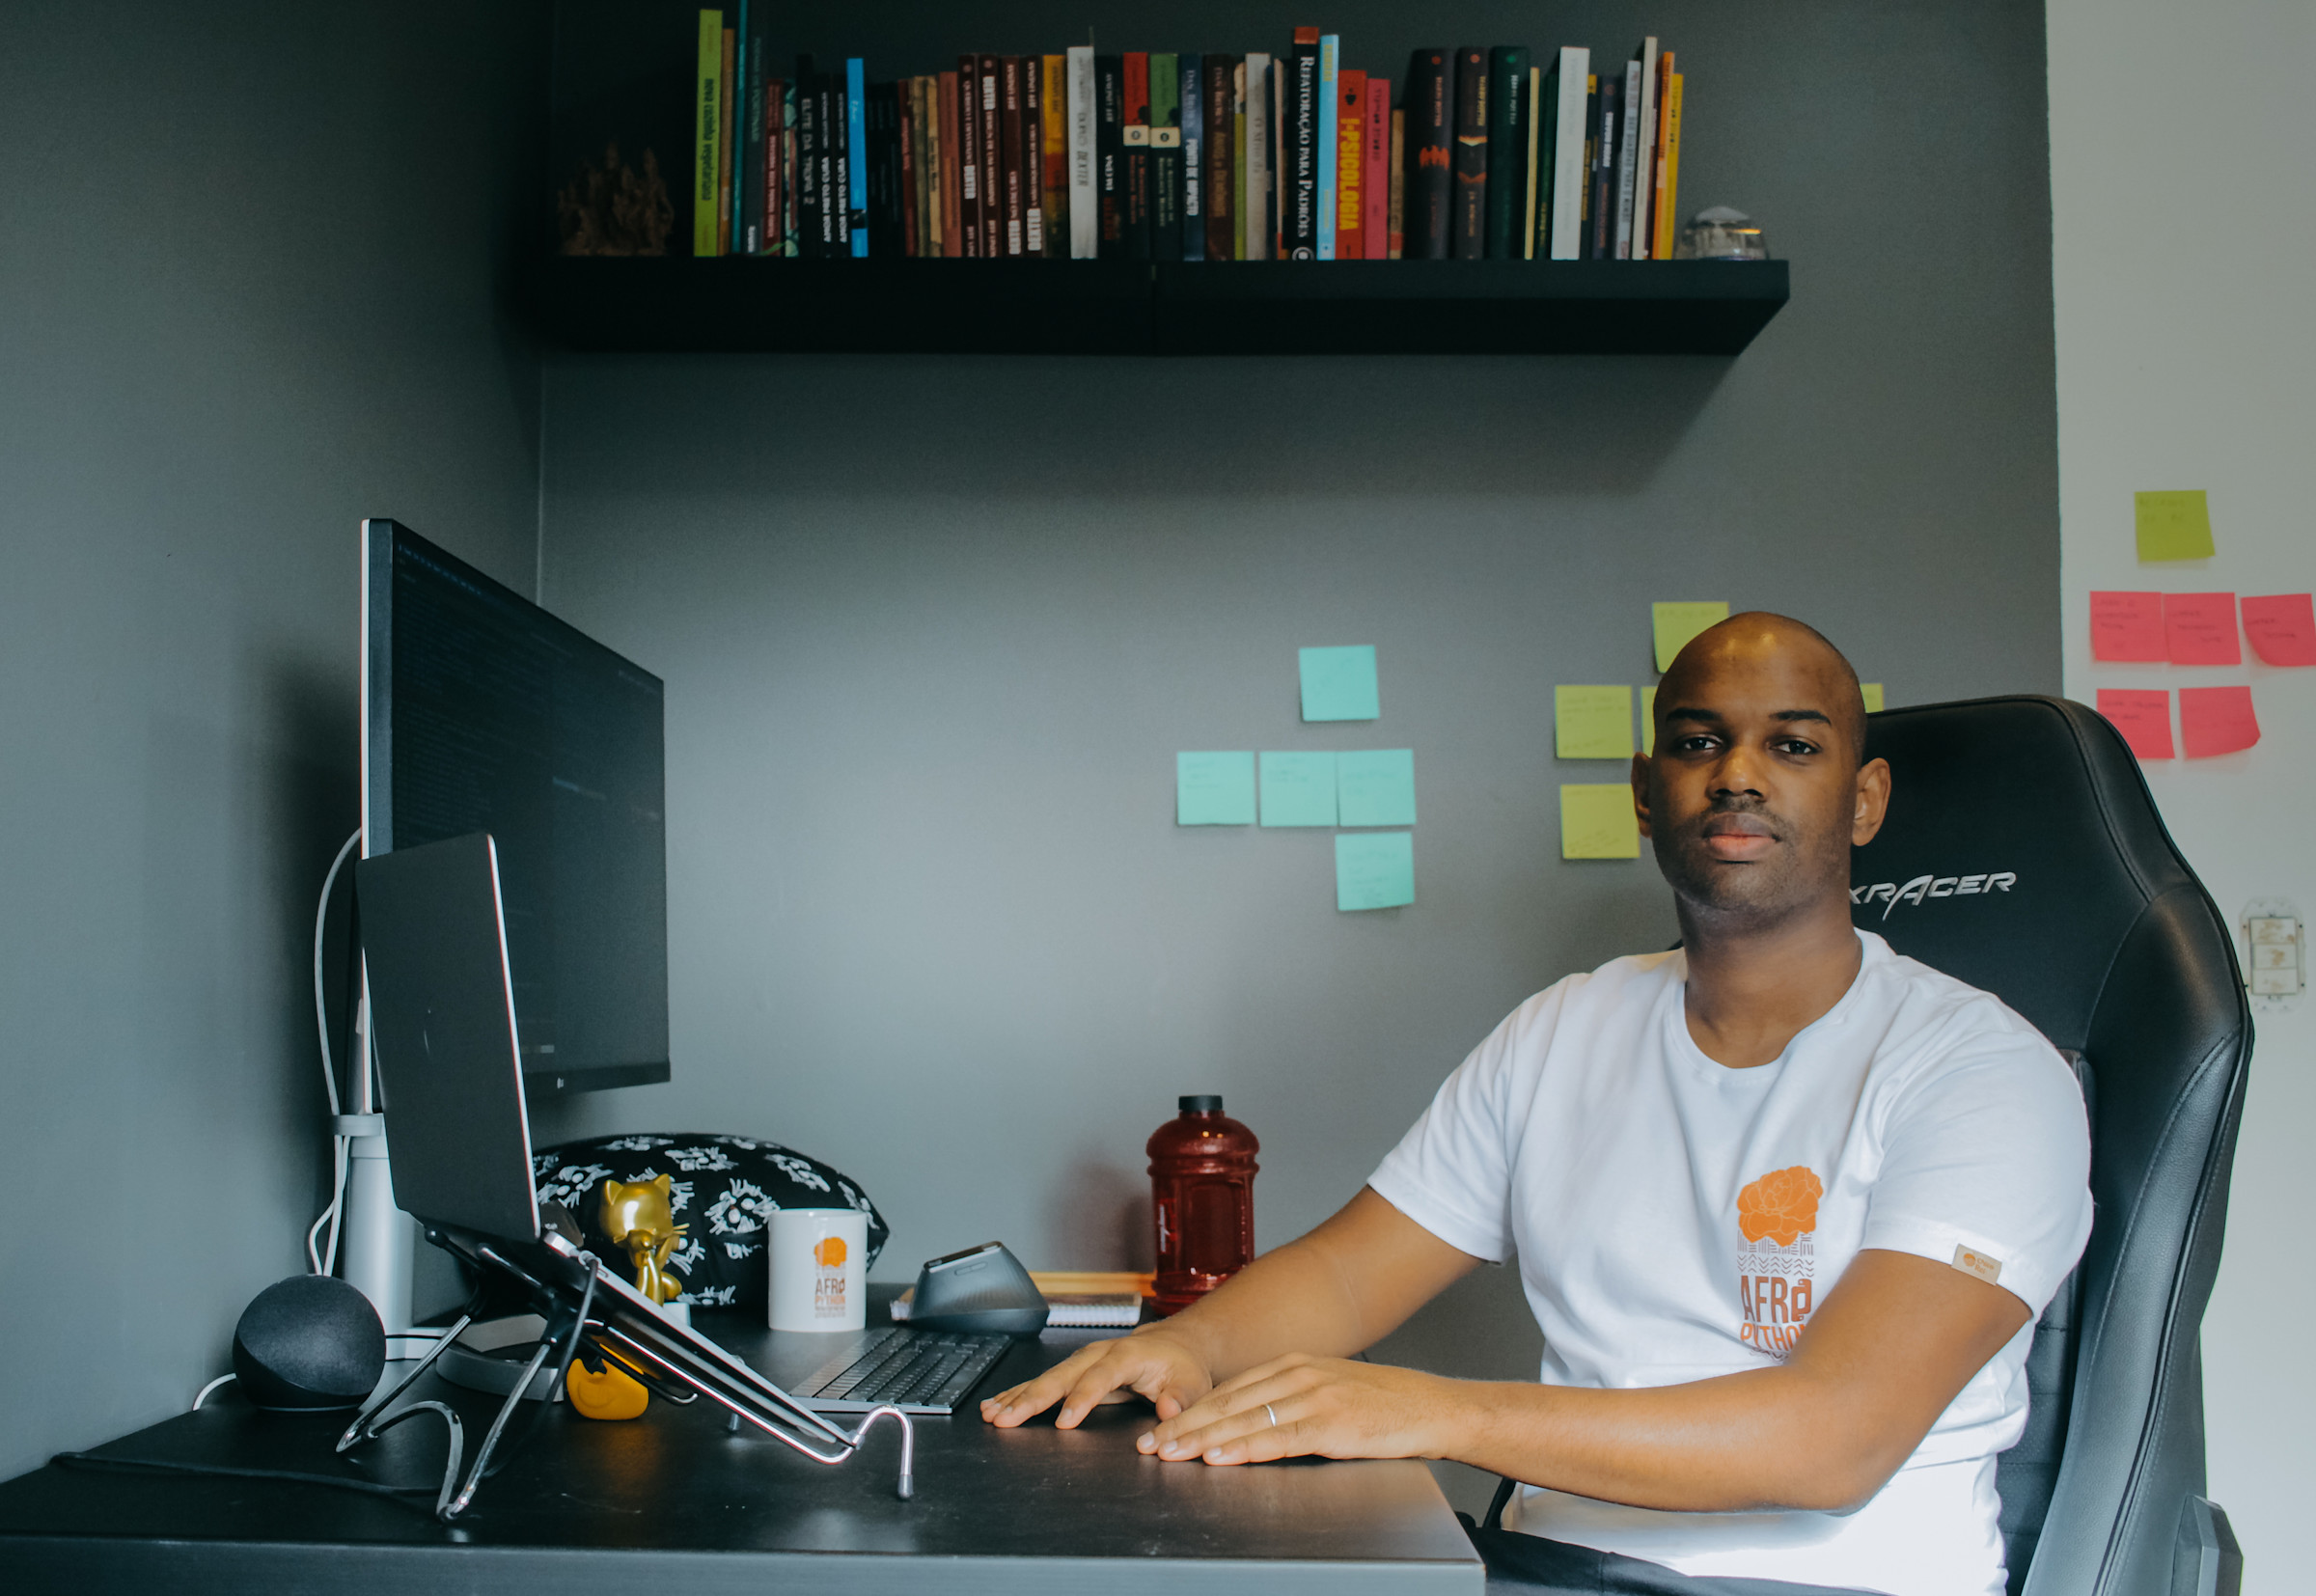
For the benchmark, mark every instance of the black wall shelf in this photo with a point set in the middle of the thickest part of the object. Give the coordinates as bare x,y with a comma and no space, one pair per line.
740,305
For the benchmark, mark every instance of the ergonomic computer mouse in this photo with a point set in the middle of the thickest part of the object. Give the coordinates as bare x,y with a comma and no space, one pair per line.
982,1290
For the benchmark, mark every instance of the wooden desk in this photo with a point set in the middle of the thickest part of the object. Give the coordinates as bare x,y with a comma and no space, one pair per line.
675,1505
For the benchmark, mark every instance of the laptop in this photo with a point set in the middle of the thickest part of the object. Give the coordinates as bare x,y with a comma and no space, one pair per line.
457,1141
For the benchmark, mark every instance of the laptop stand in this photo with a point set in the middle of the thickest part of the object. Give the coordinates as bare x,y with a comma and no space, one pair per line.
590,1310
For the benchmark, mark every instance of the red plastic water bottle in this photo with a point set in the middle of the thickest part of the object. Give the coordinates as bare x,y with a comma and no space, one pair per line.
1202,1180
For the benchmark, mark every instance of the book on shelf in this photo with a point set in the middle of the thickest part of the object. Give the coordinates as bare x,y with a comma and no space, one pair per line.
1165,155
1477,153
1135,235
1084,186
1189,78
1644,151
728,48
1032,156
991,166
775,175
969,155
1507,102
838,165
1430,138
735,133
1350,154
1468,224
884,228
1376,169
1011,178
947,127
908,111
1299,199
1053,149
788,168
1329,148
1397,219
1601,206
917,150
1281,153
708,122
1258,144
1628,149
1109,155
1560,149
808,158
1537,187
810,136
754,125
1669,167
1223,193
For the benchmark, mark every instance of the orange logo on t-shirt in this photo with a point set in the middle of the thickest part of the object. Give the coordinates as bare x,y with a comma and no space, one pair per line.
1777,1266
1780,1205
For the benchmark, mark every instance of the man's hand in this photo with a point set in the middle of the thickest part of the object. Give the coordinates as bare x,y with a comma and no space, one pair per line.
1153,1365
1298,1405
1339,1290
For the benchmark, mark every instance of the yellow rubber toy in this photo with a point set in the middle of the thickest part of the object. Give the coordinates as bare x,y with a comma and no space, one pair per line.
612,1394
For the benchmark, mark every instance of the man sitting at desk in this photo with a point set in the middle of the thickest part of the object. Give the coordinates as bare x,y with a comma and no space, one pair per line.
1785,1203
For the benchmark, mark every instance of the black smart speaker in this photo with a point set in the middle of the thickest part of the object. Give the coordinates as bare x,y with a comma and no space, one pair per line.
309,1341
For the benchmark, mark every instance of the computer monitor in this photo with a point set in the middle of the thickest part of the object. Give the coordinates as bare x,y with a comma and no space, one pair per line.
481,712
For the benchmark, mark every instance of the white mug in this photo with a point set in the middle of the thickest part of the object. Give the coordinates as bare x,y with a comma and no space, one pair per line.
819,1266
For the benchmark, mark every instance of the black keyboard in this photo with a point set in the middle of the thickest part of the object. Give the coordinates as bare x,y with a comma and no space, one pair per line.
925,1371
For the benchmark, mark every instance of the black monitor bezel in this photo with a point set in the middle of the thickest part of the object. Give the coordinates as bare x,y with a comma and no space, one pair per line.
379,538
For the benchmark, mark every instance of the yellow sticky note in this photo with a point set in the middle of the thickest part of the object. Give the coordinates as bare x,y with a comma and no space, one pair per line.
1648,720
1677,624
2174,526
1873,695
1597,821
1592,723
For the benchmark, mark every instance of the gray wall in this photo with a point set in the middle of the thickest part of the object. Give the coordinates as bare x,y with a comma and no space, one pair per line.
253,274
934,628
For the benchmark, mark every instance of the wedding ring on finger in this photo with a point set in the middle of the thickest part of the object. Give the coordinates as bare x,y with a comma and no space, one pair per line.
1267,1408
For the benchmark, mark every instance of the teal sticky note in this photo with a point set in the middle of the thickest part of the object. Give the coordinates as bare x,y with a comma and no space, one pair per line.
1298,789
1338,684
1376,787
1214,789
1374,870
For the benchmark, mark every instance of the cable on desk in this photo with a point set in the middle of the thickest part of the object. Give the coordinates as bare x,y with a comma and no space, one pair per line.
135,1464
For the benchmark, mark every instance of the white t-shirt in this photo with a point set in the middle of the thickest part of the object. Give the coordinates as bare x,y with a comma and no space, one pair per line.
1676,1220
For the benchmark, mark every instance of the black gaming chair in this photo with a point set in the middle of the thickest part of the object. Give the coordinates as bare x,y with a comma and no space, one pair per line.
2023,854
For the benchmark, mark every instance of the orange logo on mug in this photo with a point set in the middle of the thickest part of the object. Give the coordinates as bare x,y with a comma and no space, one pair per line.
828,1280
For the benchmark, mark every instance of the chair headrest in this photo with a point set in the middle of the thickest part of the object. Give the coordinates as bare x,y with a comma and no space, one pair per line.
2022,846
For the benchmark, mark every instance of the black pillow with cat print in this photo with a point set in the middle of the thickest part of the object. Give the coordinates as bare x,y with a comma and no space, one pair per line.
721,1189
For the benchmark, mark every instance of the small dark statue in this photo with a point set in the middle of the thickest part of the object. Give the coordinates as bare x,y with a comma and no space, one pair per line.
612,209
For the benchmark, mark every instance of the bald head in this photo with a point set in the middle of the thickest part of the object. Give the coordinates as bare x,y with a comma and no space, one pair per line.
1758,641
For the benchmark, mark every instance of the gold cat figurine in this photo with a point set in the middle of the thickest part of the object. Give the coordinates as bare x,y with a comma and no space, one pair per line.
640,1218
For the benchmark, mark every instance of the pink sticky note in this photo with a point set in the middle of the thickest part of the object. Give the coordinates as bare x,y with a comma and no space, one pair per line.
2144,718
2282,629
2127,626
2217,720
2200,629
